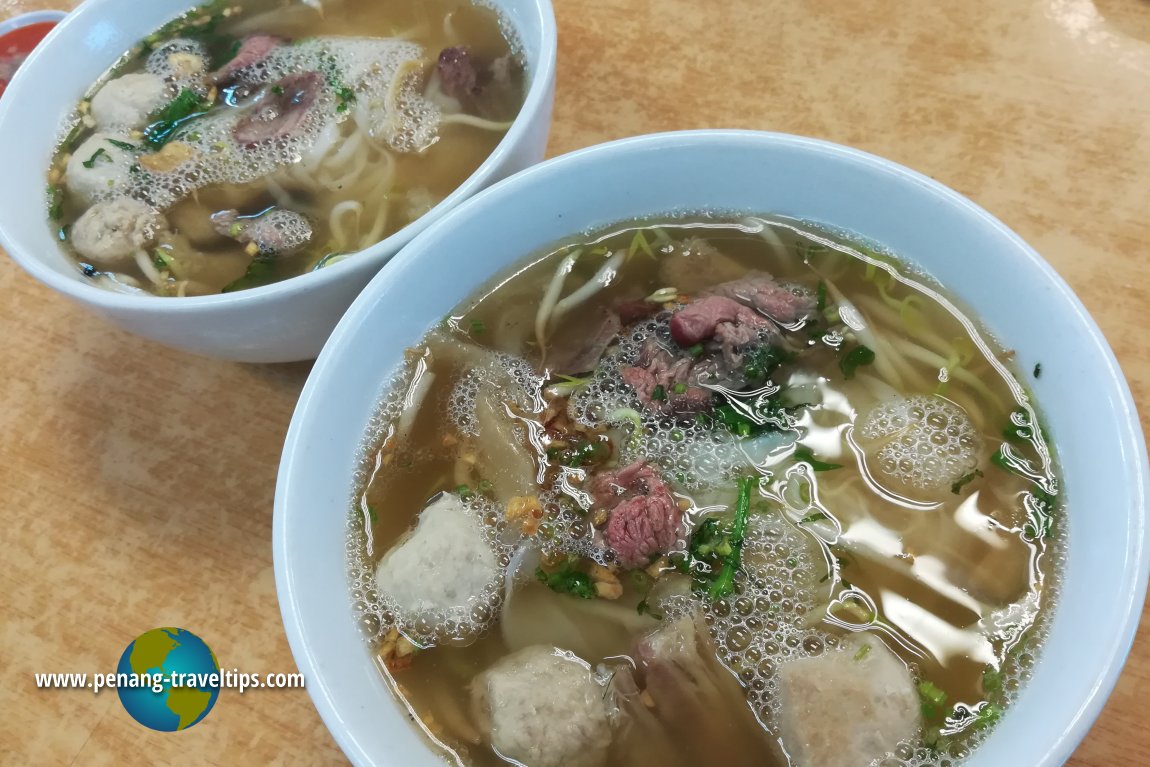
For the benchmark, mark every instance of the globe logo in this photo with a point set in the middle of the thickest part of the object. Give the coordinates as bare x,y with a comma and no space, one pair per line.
176,679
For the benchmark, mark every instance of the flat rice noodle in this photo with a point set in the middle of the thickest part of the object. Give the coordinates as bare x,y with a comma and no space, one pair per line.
700,704
593,629
503,457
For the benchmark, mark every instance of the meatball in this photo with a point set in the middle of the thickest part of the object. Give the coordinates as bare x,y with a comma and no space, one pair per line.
110,232
445,563
542,707
128,101
846,707
99,168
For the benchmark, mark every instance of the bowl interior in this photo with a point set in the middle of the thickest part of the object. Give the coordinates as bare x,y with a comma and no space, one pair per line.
1018,297
91,39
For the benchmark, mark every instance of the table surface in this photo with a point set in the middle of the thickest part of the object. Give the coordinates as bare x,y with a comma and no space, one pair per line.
137,482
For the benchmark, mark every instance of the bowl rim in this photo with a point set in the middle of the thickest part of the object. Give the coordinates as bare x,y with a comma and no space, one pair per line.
310,405
542,74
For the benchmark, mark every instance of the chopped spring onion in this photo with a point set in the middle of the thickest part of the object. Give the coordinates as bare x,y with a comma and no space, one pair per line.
862,652
659,394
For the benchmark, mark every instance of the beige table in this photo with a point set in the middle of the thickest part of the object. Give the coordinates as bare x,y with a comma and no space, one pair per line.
136,483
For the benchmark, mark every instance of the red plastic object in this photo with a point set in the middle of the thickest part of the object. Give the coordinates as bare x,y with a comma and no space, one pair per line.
16,45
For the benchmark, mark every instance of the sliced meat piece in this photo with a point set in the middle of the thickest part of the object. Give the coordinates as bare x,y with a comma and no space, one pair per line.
699,321
645,520
276,233
657,367
282,109
784,304
458,72
643,528
253,49
584,355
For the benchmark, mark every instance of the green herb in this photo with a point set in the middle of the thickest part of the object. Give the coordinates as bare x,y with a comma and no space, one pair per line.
199,24
278,90
184,107
987,716
371,513
815,516
1040,508
345,97
679,388
91,161
821,297
761,361
122,145
716,549
862,652
991,682
55,202
464,492
696,350
933,701
161,260
931,692
485,487
568,579
855,358
478,327
1018,429
804,454
261,271
964,480
659,393
580,453
1038,370
745,421
645,609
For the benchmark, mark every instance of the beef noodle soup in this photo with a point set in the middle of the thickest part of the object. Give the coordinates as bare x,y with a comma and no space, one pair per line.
247,142
707,490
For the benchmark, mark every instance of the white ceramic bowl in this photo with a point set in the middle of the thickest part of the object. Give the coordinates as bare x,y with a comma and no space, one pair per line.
1081,392
286,321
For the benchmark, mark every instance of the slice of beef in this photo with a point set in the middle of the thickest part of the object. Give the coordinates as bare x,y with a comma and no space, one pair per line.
663,381
282,109
699,321
584,355
275,233
459,72
485,88
785,305
253,50
645,520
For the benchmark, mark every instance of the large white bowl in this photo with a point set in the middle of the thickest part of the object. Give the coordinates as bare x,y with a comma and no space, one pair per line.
286,321
1081,392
